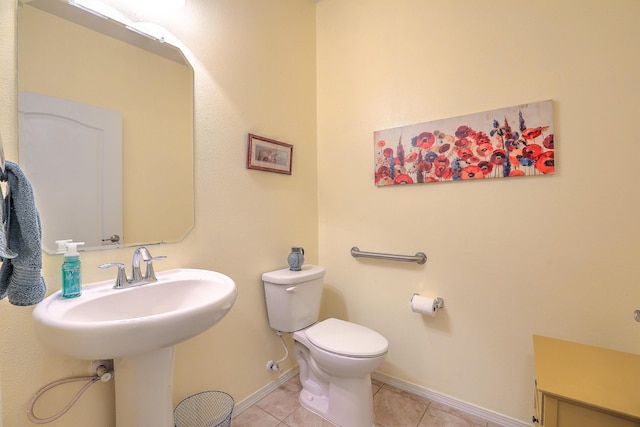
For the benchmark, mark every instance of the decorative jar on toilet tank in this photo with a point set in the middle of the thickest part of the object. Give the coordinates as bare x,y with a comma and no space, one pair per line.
296,258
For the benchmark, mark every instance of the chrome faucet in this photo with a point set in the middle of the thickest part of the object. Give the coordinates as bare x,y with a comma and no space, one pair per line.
136,274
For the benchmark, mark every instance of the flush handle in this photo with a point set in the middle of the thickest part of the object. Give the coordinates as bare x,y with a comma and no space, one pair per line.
291,289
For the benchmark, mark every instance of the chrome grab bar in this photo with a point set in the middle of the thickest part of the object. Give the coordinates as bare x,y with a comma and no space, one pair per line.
419,257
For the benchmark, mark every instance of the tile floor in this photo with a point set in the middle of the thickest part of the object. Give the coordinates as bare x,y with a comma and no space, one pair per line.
393,408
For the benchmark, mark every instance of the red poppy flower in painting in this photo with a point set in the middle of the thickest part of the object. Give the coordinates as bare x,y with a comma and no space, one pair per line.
444,172
545,162
441,161
462,132
444,148
532,133
425,166
532,151
381,144
403,179
426,140
482,138
463,143
485,167
548,142
385,181
471,172
465,153
411,157
484,149
498,157
388,152
382,173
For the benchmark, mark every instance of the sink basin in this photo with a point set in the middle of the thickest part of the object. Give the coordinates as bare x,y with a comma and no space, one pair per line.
138,328
107,323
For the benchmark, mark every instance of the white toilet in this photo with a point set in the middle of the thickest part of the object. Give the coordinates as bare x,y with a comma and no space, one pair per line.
335,357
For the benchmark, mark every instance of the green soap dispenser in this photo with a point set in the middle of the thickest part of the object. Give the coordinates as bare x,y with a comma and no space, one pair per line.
71,278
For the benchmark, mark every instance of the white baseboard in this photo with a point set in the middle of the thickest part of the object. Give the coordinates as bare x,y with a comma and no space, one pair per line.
263,392
468,408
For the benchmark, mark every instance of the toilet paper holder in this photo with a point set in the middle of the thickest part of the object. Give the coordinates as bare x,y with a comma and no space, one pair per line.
438,302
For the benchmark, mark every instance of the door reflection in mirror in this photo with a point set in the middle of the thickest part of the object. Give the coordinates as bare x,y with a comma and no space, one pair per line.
73,155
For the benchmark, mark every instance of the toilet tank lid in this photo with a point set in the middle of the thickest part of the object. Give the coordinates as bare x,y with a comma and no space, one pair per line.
346,338
288,277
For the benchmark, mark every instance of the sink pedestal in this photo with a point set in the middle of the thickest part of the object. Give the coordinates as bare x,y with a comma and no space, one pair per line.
144,385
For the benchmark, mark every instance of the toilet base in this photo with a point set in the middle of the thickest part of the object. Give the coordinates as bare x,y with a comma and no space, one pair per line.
339,407
316,404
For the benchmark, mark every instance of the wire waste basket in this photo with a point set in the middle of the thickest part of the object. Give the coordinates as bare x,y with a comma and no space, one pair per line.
205,409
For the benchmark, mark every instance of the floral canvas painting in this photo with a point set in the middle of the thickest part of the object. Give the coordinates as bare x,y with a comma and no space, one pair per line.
508,142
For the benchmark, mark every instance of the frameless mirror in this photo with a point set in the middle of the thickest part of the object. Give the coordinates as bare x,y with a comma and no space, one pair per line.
106,128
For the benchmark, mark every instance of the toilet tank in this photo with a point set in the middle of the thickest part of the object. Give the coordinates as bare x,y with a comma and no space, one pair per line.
293,297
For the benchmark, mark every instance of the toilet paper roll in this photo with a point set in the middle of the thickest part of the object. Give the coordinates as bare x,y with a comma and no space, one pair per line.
424,305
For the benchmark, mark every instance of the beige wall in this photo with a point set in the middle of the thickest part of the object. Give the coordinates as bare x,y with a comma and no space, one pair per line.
554,255
254,72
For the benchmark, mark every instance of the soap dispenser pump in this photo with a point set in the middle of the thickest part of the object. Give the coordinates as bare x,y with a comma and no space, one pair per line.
62,246
71,278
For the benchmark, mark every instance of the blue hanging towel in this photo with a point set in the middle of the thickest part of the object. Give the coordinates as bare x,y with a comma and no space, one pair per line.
21,276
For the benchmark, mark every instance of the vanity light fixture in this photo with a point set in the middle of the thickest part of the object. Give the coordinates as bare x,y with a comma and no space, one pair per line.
98,8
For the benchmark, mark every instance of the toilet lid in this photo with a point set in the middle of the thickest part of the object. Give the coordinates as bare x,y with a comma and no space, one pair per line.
347,339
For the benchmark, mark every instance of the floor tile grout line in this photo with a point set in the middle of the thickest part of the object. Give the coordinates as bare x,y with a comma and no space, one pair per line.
378,386
424,414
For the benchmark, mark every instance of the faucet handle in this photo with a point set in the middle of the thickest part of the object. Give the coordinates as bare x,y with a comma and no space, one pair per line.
121,278
149,274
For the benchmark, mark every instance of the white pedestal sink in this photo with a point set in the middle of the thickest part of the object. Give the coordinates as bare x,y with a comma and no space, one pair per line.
137,327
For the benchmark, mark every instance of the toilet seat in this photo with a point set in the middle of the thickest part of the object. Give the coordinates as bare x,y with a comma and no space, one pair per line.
347,339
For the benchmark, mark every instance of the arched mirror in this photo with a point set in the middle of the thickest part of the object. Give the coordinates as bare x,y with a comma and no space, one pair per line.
106,128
